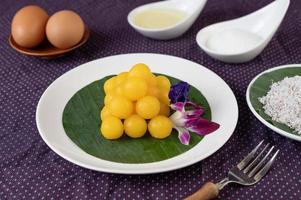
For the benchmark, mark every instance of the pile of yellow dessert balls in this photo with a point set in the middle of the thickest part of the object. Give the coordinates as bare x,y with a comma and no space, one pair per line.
136,101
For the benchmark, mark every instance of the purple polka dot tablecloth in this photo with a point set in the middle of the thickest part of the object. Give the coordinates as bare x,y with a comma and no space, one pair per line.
29,169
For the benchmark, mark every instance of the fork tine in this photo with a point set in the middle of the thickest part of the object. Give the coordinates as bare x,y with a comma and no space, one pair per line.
256,160
249,157
260,164
266,168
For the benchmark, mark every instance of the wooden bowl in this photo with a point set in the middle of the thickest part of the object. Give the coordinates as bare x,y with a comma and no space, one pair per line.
47,50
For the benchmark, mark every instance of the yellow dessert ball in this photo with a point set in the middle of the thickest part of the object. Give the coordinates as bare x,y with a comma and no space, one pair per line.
140,70
148,107
121,78
111,128
164,98
105,112
135,126
134,88
110,85
108,98
121,107
164,110
160,127
153,91
152,81
163,83
118,91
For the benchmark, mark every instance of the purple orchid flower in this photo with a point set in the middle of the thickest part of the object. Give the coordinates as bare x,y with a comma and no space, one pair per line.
179,92
187,117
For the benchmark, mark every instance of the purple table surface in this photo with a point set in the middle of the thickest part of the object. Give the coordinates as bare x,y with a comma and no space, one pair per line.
30,170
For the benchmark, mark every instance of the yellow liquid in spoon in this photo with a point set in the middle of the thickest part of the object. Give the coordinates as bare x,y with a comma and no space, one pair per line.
158,18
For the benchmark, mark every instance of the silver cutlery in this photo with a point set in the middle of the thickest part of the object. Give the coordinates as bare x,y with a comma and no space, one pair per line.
247,172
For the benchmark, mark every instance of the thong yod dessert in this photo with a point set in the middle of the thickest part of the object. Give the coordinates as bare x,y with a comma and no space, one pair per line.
138,100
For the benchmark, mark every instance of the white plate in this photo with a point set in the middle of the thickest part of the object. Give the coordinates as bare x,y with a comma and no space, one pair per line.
262,120
52,103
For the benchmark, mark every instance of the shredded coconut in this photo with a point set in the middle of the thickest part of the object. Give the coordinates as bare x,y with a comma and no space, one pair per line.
283,102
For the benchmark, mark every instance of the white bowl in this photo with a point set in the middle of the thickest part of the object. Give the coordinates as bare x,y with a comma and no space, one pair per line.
191,7
262,24
261,119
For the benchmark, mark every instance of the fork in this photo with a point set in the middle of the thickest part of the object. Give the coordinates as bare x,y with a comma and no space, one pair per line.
247,172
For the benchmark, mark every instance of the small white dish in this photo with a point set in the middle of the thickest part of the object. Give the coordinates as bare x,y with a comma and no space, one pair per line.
192,8
53,101
251,33
257,115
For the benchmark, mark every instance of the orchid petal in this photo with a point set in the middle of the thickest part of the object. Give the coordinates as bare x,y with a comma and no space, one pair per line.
179,106
178,119
183,136
195,110
179,92
193,105
190,120
201,126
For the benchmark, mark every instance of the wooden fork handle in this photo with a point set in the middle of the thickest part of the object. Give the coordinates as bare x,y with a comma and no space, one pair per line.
208,191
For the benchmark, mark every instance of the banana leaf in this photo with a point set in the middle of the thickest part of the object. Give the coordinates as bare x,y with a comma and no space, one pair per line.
81,122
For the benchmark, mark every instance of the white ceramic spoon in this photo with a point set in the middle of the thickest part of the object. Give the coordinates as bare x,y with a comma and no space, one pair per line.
191,8
242,39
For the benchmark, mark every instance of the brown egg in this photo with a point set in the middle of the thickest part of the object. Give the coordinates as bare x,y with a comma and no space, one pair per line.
65,29
28,26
